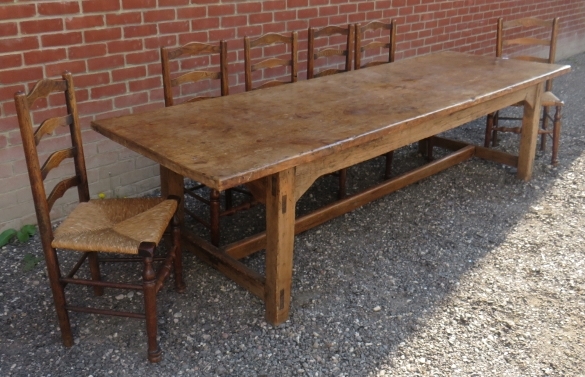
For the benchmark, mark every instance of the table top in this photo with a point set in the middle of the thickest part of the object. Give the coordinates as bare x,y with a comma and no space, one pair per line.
226,141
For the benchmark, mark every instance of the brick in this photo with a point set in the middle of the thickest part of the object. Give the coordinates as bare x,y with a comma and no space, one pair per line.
18,44
192,12
100,6
107,62
193,37
138,4
233,21
58,8
142,57
58,68
91,79
285,15
131,100
10,61
125,74
260,18
125,18
171,3
140,31
173,27
124,46
87,51
145,84
111,90
205,24
11,76
157,42
95,106
41,26
309,13
159,15
217,35
100,35
44,56
249,7
8,29
7,92
8,12
84,22
296,3
250,31
221,10
273,5
328,11
61,39
277,27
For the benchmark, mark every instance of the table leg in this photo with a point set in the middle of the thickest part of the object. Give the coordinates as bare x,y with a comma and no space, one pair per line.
172,183
530,123
280,230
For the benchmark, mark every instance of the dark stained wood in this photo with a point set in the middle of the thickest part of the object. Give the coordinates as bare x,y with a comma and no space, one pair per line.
267,40
390,45
312,55
193,49
548,99
44,203
190,50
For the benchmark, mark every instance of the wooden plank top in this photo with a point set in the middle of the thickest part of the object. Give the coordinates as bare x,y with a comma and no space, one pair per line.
227,141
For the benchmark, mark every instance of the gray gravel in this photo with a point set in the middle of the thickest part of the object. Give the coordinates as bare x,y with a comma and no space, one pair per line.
468,273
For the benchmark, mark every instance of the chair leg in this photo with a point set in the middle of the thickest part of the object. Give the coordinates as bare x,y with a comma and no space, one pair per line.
544,127
58,295
429,149
489,126
229,198
342,184
178,259
94,267
214,217
146,250
388,172
495,129
556,135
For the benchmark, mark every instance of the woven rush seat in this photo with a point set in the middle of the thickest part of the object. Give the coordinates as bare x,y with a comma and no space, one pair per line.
115,225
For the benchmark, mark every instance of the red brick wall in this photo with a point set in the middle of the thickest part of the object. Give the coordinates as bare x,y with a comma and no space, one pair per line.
111,46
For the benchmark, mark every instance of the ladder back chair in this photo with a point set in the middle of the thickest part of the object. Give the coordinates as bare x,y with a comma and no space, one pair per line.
314,54
548,99
131,228
196,49
360,31
268,40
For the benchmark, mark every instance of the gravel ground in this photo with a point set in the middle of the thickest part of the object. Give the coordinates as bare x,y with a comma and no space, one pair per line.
468,273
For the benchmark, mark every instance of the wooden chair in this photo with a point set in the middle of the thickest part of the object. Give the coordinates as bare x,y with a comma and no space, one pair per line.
359,50
312,55
267,40
198,49
548,99
129,227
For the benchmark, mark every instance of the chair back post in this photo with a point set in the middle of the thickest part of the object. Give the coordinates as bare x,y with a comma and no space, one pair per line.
349,44
357,60
166,76
247,64
76,140
499,37
223,68
34,169
392,49
294,56
310,53
553,49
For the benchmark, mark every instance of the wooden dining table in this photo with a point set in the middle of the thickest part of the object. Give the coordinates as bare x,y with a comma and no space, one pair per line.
278,141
